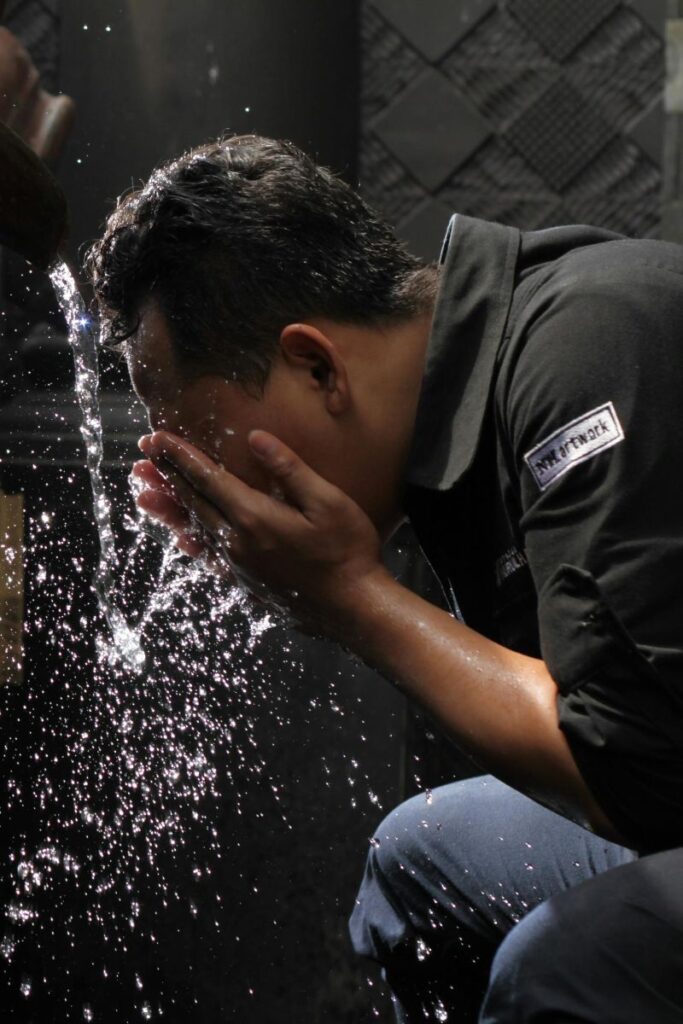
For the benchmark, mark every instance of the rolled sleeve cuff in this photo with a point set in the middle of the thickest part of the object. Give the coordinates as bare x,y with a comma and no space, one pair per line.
615,710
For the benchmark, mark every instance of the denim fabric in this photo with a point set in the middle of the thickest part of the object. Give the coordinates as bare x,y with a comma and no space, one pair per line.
482,905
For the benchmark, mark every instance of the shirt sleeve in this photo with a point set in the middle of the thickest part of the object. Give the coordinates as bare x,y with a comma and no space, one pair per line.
593,418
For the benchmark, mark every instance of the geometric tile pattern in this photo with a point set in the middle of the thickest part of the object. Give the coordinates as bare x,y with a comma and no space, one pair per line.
431,128
559,26
433,27
531,112
559,134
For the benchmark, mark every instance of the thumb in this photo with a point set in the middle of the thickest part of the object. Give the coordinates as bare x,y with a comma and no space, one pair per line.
301,484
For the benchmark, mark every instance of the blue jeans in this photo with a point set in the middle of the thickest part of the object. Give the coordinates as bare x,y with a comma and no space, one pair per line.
481,905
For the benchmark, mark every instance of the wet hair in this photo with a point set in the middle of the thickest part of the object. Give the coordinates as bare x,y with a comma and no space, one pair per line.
238,238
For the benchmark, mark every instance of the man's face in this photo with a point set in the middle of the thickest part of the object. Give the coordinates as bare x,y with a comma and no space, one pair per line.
217,415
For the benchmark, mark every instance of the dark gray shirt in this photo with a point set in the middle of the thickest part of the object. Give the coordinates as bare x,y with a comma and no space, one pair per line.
546,487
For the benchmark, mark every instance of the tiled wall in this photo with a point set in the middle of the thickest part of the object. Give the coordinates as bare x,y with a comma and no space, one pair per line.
530,112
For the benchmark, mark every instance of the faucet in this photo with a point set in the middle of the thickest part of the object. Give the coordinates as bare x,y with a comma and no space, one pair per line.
33,128
33,207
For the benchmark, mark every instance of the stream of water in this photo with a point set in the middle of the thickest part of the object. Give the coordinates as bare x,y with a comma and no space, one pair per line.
123,777
83,340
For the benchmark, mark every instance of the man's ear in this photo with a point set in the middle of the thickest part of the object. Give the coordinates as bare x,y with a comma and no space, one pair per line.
309,350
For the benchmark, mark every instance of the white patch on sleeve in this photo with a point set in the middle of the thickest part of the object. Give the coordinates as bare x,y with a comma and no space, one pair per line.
574,443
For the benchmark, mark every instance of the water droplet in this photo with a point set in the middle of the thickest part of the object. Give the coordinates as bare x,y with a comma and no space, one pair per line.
19,914
422,949
25,987
87,1012
440,1012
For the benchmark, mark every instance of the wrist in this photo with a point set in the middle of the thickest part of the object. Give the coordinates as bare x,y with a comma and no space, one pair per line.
361,608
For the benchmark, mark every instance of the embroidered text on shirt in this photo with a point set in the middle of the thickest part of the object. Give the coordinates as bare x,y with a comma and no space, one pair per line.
508,563
574,443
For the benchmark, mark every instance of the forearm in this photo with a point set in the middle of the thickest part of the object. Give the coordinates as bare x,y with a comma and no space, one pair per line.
319,552
498,706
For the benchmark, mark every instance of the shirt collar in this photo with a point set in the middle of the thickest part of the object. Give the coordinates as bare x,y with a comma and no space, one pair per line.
475,291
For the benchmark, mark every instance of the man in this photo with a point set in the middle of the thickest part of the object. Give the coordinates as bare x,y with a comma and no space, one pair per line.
310,385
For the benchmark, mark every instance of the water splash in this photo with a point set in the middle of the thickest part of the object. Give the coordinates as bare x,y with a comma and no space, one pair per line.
84,346
117,772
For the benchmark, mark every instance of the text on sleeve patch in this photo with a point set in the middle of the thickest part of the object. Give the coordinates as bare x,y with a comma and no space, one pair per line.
575,442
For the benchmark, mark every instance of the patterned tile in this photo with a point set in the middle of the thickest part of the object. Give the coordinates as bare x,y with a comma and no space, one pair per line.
431,128
496,168
388,63
563,102
386,184
624,43
434,30
620,190
500,68
559,134
560,26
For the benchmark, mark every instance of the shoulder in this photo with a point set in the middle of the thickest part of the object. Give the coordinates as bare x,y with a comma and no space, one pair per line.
606,319
609,279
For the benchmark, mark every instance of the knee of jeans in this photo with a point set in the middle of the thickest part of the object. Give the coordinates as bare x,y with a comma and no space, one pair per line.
391,887
400,847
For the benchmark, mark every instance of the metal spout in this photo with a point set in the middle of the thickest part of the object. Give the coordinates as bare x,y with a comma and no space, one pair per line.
33,207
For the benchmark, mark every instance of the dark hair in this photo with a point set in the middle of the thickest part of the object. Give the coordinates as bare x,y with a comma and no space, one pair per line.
239,237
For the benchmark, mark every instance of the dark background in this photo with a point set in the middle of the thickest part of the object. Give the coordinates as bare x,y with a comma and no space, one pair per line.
532,112
168,76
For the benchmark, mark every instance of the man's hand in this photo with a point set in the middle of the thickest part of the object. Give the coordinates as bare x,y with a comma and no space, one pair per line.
307,545
318,554
154,497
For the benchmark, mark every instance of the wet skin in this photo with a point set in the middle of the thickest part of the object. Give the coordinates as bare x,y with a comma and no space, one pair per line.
343,398
296,502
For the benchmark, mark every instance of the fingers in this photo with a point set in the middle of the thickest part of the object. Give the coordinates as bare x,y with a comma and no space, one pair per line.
211,481
232,512
164,508
194,506
154,498
301,484
145,474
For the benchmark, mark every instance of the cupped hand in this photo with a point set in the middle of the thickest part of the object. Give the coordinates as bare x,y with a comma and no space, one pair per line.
306,544
154,497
